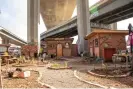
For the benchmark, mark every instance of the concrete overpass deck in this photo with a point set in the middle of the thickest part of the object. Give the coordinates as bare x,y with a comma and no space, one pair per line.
61,29
113,11
55,12
11,38
103,14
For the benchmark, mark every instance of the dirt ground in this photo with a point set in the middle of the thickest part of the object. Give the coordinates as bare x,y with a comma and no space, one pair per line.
65,78
126,82
22,83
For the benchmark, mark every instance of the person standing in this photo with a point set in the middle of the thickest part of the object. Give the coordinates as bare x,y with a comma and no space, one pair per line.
130,41
44,56
40,52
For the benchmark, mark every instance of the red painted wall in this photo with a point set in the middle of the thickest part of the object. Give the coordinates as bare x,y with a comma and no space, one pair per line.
112,41
94,50
51,45
74,50
107,41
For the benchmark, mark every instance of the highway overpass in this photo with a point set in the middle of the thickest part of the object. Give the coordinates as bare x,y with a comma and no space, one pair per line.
53,13
102,15
9,37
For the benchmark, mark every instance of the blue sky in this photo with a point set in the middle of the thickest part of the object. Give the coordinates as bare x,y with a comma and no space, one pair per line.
13,17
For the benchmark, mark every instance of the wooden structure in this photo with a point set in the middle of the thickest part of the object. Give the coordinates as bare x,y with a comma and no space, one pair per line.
105,43
29,50
57,46
74,50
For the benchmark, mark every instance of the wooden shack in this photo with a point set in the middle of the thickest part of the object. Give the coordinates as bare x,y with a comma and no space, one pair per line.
57,46
105,43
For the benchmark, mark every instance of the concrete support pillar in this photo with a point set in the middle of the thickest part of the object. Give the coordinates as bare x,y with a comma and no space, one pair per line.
33,14
5,41
114,26
83,24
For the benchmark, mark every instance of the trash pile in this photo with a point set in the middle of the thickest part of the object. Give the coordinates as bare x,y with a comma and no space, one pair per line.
19,73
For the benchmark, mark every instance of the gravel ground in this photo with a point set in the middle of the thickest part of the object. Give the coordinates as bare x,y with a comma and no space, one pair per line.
22,83
126,82
63,79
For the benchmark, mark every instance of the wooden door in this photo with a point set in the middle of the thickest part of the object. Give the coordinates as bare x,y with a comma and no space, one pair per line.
59,50
108,53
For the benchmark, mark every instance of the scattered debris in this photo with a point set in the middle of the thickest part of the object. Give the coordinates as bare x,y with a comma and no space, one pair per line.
19,73
29,82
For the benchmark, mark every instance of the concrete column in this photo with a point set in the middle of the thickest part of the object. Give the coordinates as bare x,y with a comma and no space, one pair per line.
33,7
83,24
114,26
5,41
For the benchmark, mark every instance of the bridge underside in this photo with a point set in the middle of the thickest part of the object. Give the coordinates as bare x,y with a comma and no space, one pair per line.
8,37
55,12
68,29
115,11
64,34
